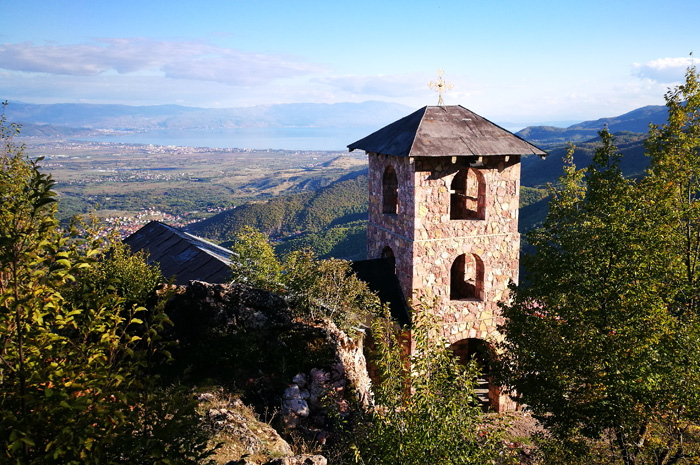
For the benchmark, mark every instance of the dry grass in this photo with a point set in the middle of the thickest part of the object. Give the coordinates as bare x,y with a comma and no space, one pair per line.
238,431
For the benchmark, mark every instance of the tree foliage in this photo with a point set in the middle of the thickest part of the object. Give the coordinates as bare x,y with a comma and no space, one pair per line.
75,357
328,289
674,177
253,261
602,336
315,288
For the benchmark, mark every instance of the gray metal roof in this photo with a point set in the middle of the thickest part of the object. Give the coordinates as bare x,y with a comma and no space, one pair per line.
437,131
181,254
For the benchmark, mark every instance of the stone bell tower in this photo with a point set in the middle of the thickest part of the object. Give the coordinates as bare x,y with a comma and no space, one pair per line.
444,187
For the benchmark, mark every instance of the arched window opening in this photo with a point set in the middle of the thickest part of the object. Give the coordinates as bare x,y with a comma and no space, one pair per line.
390,192
467,195
467,278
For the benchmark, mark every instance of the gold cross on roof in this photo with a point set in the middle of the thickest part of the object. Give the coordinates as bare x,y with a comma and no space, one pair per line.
440,86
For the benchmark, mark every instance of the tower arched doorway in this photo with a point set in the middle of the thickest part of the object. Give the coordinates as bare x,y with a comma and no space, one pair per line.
478,350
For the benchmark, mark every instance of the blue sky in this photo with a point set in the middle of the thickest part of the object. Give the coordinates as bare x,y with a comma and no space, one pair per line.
510,61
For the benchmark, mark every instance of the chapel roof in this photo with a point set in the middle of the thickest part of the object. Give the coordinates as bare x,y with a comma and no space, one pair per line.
444,131
180,254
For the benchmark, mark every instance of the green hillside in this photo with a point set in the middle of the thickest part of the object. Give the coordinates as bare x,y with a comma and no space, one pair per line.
273,217
537,172
636,121
332,221
345,240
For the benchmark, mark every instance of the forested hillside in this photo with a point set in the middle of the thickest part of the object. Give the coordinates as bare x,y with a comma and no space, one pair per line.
537,172
331,220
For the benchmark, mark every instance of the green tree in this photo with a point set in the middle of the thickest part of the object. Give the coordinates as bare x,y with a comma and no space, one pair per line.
674,178
315,288
253,261
601,337
426,409
74,358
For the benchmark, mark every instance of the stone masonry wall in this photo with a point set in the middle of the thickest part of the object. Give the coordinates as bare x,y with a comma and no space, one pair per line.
425,241
439,241
386,230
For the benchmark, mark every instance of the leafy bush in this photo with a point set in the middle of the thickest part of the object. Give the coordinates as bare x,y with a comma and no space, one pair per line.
314,288
328,289
76,359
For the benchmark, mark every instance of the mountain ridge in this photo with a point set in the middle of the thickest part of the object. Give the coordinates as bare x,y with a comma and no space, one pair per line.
637,121
75,119
125,117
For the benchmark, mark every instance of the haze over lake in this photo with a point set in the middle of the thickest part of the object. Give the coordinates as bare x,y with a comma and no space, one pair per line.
252,138
302,126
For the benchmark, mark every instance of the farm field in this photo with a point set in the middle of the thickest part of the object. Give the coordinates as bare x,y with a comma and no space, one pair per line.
136,183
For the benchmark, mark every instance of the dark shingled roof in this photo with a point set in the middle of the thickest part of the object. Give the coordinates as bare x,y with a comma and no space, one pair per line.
180,254
444,132
381,278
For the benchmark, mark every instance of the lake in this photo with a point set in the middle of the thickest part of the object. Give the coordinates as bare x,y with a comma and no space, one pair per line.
333,139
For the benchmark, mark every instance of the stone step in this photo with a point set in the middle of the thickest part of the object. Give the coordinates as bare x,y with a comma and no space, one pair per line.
482,393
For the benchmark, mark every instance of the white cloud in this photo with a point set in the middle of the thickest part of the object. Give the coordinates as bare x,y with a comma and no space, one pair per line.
150,89
378,85
143,71
177,60
665,70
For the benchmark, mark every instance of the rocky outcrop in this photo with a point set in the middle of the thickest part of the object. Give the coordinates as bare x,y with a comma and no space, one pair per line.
290,460
251,339
310,395
202,307
299,460
232,419
204,311
308,399
351,356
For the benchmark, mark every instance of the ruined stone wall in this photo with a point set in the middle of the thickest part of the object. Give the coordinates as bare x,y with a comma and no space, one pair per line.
438,241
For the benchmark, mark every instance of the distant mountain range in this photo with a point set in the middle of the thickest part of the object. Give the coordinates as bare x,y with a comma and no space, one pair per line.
70,118
75,120
637,121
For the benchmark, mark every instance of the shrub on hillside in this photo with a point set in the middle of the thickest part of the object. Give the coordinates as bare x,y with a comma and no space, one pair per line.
314,288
